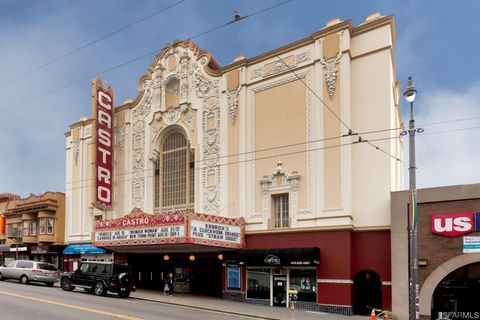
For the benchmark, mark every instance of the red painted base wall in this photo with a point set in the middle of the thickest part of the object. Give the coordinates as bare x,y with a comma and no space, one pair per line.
342,255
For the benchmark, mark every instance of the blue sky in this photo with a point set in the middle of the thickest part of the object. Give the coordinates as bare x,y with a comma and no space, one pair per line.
437,43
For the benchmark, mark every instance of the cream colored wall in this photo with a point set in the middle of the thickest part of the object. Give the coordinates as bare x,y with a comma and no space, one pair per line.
280,119
372,110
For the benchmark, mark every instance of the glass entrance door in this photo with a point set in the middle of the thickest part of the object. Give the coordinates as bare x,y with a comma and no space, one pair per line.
280,291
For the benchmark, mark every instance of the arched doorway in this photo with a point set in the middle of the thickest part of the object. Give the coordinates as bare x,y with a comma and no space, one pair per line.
367,292
459,291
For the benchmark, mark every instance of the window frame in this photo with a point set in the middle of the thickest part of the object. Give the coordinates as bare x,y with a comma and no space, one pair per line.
281,210
53,226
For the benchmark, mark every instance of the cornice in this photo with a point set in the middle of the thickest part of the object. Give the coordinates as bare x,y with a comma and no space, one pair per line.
322,229
289,47
375,24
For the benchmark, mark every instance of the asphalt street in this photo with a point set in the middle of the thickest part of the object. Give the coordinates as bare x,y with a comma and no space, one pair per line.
36,301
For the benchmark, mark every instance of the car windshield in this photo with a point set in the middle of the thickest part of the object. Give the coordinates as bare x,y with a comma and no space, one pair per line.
46,266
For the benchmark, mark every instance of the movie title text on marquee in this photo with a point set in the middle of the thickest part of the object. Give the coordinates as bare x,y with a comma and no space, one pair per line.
215,231
103,115
141,234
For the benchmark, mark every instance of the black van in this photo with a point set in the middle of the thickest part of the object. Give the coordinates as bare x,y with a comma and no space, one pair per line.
99,278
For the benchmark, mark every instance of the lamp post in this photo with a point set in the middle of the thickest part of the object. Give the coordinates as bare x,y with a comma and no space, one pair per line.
409,95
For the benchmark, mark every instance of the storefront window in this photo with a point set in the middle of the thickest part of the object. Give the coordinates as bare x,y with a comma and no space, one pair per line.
233,277
258,283
305,282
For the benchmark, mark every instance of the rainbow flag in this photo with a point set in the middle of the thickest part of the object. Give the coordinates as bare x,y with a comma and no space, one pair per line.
413,209
2,224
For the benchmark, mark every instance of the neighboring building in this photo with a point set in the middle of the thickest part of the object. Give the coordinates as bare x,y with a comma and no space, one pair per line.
239,180
34,227
448,252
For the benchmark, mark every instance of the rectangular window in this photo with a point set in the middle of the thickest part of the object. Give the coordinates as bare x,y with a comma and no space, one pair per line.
33,227
25,228
280,210
305,282
233,277
258,283
42,222
49,225
11,230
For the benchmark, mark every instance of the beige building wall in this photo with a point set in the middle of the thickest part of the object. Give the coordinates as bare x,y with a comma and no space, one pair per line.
238,116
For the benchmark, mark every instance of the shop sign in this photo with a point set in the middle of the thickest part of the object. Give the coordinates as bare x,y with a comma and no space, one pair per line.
471,244
455,224
103,114
139,228
39,250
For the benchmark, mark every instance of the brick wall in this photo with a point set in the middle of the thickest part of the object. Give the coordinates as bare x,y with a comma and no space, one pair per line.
434,248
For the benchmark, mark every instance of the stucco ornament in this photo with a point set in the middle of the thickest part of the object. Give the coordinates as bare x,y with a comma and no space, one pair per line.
232,96
331,73
76,150
206,88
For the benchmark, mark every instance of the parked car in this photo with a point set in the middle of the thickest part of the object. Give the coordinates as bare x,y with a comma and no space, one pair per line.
30,271
99,278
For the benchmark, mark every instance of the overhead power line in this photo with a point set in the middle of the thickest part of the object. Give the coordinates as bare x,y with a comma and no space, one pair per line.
71,84
253,151
350,131
86,45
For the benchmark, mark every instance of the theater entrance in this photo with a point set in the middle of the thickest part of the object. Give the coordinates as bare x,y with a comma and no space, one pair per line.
193,273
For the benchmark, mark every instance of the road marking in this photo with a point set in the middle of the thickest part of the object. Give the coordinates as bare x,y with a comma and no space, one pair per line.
72,306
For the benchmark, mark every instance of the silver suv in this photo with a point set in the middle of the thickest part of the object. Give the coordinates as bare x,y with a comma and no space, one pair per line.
26,271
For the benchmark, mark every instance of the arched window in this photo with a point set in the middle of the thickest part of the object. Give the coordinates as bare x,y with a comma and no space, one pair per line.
174,174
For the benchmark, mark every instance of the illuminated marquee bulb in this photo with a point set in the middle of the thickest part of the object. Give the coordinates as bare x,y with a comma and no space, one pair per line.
166,257
192,257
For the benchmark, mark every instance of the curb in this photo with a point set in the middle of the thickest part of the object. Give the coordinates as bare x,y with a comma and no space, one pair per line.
208,309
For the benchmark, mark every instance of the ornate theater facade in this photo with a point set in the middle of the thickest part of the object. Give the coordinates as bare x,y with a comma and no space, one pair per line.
251,179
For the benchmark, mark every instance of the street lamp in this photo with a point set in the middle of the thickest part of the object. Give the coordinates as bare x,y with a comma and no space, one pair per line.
410,94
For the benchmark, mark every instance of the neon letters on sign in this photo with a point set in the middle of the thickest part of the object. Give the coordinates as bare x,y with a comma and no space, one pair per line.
103,115
453,225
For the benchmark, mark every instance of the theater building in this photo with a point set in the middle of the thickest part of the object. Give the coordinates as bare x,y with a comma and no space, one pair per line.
448,252
250,179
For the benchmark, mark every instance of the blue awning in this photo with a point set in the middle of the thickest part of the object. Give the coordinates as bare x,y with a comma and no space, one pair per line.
83,248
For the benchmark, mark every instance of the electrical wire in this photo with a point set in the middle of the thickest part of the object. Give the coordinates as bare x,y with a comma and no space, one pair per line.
236,162
86,45
350,131
48,93
255,151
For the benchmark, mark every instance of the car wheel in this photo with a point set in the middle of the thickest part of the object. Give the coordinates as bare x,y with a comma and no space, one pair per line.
99,288
24,279
66,284
124,294
124,279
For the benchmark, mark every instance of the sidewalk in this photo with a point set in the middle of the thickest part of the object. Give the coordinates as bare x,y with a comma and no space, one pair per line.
233,307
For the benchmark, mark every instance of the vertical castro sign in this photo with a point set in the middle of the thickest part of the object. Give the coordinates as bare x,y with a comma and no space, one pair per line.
103,115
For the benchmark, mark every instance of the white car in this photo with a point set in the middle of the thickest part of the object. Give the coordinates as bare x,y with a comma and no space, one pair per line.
30,271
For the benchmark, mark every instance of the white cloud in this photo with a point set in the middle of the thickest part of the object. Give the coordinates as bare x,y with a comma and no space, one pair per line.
447,158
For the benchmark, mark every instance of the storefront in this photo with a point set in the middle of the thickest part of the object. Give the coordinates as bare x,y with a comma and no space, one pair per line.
448,252
271,273
73,254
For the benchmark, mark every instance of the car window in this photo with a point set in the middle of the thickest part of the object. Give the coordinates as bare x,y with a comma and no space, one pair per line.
93,268
104,269
11,264
25,264
83,268
46,266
